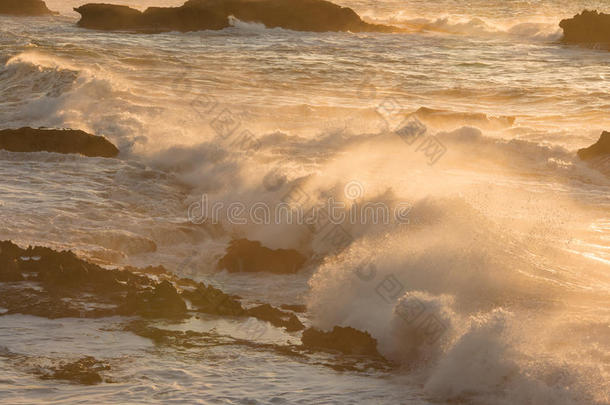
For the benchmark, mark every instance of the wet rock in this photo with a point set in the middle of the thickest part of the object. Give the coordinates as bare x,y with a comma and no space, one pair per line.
24,8
600,148
162,301
56,140
588,27
9,272
177,338
247,256
276,317
298,15
210,300
298,308
84,371
59,284
52,284
345,340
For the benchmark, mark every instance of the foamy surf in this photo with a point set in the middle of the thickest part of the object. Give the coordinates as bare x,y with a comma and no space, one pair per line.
474,244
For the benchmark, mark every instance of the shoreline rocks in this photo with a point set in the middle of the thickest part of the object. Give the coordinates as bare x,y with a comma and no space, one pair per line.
244,255
43,282
588,27
24,8
47,283
195,15
600,148
65,141
345,340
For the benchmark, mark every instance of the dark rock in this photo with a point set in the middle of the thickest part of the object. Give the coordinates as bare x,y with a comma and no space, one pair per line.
345,340
588,27
276,317
9,272
59,284
43,282
248,256
298,15
184,339
56,140
24,8
210,300
162,301
84,371
298,308
600,148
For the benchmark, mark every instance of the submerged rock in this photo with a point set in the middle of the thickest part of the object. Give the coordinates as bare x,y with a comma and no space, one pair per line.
453,119
277,317
588,27
84,371
600,148
24,8
248,256
194,15
56,140
345,340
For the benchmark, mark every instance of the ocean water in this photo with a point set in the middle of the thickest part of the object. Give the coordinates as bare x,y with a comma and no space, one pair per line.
502,233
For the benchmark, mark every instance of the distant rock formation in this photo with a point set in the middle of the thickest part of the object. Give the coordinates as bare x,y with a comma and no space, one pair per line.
588,27
56,140
598,149
194,15
247,256
453,119
24,8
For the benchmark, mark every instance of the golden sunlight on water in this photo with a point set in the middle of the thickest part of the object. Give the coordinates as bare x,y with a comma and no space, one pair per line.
288,204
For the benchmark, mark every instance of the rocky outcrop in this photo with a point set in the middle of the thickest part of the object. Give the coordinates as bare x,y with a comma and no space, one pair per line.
86,371
598,149
43,282
24,8
55,284
162,301
276,317
588,27
345,340
248,256
211,300
452,119
194,15
56,140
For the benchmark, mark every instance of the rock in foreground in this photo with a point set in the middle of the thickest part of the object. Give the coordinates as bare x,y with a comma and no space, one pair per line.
85,371
24,8
194,15
247,256
345,340
43,282
588,27
56,140
600,148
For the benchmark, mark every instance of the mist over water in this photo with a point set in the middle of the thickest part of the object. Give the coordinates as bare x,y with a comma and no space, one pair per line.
507,242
